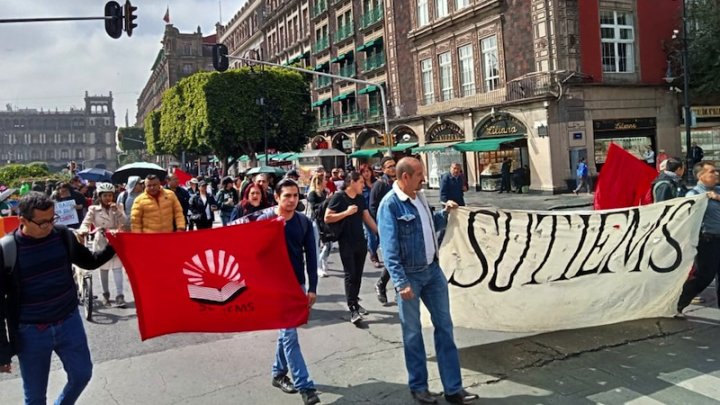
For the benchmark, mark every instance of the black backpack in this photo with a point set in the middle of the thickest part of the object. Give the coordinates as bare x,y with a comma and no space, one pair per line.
328,232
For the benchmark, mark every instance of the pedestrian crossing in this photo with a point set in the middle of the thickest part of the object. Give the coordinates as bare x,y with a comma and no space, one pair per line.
686,386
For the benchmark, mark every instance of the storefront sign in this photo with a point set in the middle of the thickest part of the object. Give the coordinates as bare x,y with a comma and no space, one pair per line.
445,131
624,124
706,111
500,125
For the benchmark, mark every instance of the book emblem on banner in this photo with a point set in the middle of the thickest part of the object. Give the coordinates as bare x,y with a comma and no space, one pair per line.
213,277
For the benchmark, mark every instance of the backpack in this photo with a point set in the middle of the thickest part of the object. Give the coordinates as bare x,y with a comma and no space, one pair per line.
328,232
650,196
8,248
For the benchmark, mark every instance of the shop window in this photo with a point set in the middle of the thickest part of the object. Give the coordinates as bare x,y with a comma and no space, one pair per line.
491,67
618,42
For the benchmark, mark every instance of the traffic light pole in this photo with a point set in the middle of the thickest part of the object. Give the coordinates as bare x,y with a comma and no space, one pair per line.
51,19
383,99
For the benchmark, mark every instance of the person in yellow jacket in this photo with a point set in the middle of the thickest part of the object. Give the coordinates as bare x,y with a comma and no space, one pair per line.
156,209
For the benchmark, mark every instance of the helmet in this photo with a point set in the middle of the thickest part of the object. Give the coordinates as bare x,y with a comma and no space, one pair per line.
105,188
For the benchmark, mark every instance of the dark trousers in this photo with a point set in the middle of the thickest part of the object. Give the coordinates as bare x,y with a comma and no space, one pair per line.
384,278
707,267
352,256
203,224
505,183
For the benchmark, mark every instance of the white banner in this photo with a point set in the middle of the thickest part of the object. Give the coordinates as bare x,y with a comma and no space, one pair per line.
538,271
67,215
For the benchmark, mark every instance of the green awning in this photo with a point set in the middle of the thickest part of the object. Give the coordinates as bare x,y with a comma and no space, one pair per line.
485,145
295,59
321,66
343,96
285,156
434,147
342,57
260,156
320,102
370,44
402,146
244,158
370,89
367,153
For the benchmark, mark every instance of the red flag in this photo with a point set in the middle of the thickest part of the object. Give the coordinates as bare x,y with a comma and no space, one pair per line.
183,177
231,279
167,15
624,180
8,224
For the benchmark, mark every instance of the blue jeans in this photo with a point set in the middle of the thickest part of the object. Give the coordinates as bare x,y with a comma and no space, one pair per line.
372,241
289,357
67,339
431,287
225,217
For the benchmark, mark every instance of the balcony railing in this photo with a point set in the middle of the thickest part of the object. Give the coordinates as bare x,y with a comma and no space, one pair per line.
529,87
350,118
347,71
372,16
323,81
320,7
343,32
326,122
321,44
374,111
373,62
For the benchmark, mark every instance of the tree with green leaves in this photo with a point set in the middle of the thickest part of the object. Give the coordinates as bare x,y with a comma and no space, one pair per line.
152,133
228,113
703,47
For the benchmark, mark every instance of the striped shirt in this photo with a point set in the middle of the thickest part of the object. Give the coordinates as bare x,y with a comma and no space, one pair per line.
47,288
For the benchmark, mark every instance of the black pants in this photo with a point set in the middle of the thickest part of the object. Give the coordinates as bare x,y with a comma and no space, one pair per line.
352,256
505,183
205,224
707,267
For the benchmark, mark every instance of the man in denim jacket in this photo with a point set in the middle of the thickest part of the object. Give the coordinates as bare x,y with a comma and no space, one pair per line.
407,235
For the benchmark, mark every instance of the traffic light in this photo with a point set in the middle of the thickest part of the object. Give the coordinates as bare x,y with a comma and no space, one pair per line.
114,24
129,18
220,57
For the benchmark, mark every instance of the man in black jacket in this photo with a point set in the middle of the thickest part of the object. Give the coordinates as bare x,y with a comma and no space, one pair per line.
182,195
381,187
44,318
668,184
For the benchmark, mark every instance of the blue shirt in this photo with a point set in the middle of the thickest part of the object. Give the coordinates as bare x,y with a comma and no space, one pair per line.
451,188
711,220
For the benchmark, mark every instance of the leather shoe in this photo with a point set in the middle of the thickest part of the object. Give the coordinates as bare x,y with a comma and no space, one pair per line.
462,397
423,397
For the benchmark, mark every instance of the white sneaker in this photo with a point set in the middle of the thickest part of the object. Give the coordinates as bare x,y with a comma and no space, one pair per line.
322,273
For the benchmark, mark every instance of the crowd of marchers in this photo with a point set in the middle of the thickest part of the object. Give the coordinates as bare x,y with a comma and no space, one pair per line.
363,212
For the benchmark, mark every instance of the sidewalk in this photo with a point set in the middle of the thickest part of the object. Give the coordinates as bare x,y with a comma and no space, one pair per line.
521,201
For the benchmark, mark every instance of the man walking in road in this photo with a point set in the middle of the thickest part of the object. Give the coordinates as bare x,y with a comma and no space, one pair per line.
182,195
696,153
39,304
300,241
407,236
505,175
157,209
379,189
452,185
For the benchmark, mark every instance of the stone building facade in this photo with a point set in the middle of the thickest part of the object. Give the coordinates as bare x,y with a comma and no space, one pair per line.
181,55
541,82
86,135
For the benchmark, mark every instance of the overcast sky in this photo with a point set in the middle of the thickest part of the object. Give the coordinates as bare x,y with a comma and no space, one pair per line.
49,65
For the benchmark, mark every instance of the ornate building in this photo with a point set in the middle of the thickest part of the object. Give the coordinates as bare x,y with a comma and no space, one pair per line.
86,136
181,55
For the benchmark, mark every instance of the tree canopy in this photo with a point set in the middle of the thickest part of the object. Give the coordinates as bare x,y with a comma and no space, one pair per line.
152,133
131,138
704,47
228,113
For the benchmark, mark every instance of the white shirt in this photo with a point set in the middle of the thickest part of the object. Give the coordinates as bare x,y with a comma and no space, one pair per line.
425,220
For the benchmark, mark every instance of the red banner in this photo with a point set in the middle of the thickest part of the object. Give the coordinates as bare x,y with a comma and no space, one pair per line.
183,177
232,279
624,181
8,224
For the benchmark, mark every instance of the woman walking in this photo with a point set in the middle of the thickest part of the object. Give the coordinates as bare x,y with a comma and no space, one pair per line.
106,215
254,200
317,194
373,241
203,207
348,208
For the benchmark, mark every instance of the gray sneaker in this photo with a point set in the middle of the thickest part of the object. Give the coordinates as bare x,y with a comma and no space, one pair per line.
106,299
120,301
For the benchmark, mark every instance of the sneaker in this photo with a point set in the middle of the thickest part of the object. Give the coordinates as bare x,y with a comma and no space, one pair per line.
381,292
309,397
679,315
322,273
362,310
283,382
698,301
120,301
106,299
355,317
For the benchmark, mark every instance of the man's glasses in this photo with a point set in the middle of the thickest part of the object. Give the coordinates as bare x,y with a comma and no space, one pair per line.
46,224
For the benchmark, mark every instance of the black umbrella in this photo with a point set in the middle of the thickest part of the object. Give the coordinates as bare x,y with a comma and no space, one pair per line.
141,169
96,174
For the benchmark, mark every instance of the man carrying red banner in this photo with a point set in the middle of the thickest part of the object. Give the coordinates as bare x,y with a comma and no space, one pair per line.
300,241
